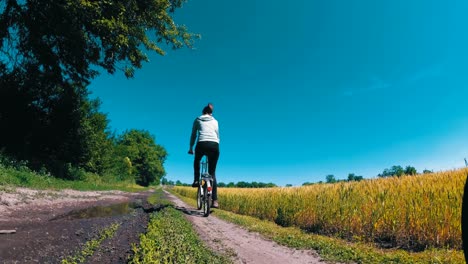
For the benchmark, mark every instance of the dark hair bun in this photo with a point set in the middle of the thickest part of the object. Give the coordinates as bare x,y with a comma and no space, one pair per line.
207,110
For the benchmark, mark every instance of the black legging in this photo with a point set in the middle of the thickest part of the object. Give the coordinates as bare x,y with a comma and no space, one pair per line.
211,150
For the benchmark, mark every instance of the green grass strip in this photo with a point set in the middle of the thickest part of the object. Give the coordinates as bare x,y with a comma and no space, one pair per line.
92,245
13,177
333,249
171,239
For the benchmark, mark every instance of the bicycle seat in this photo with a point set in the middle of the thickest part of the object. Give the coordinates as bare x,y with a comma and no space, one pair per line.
207,177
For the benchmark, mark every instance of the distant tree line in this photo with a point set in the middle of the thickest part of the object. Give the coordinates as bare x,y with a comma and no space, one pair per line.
398,171
330,178
395,170
241,184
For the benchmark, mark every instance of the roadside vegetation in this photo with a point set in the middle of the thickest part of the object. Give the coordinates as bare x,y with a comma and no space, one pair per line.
18,175
416,213
171,239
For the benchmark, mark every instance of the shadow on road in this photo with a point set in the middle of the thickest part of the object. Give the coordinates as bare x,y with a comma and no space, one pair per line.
189,211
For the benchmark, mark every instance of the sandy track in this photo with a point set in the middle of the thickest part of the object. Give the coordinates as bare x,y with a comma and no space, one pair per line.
241,245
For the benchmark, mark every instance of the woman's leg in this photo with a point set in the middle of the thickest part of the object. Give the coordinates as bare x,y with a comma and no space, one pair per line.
213,156
196,164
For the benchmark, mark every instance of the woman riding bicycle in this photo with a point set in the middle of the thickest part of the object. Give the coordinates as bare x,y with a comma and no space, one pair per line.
205,127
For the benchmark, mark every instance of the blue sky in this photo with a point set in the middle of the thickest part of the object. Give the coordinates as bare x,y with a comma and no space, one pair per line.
303,89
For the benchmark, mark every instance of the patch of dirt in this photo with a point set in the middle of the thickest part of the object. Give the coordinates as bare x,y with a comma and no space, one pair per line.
46,233
238,243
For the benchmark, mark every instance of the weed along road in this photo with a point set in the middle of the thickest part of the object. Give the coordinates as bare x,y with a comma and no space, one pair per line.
239,244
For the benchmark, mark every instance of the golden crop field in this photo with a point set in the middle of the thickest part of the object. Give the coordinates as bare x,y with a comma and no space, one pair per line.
413,212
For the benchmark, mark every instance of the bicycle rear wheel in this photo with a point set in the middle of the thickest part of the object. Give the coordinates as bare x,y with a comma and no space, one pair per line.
199,198
206,202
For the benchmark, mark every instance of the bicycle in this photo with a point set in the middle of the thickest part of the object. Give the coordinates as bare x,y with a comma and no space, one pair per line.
205,188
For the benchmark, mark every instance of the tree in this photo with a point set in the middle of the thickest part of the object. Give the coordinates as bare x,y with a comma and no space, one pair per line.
58,131
68,39
146,156
409,170
426,171
393,171
243,184
164,181
330,178
354,177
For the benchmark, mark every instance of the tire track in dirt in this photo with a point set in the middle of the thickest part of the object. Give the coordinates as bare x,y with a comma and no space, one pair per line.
238,243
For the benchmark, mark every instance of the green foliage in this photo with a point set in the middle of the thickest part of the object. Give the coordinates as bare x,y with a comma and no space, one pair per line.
393,171
330,178
354,177
410,170
171,239
145,156
13,173
59,132
67,40
398,171
96,139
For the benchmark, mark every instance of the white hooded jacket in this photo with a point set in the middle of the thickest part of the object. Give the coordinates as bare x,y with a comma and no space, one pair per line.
206,127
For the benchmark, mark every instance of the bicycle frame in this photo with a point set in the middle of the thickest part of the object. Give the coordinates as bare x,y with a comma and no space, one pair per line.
205,176
205,189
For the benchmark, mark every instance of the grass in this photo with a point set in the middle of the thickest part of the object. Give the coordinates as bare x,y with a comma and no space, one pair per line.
334,249
11,177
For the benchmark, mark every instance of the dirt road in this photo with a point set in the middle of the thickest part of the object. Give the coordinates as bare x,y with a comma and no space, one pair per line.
241,245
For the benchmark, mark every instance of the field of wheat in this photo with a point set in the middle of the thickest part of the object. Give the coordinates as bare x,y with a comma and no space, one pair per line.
413,212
